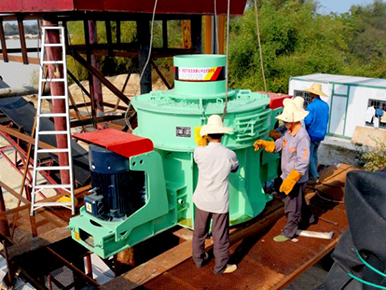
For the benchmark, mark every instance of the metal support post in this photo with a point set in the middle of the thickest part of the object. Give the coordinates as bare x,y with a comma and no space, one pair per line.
143,34
97,97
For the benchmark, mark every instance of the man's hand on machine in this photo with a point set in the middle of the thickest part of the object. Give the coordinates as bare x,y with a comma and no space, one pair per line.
269,146
203,141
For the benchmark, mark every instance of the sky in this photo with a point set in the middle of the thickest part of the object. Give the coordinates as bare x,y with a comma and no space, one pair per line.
339,6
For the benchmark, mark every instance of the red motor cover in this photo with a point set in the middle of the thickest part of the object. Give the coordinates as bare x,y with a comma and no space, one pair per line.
122,143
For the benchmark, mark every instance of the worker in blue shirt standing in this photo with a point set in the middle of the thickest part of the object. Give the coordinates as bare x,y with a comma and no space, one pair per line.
316,125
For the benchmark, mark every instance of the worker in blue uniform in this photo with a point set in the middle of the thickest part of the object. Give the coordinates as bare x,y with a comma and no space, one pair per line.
316,125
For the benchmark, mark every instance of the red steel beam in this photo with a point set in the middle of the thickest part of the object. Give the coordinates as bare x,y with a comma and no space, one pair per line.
22,39
24,137
101,77
3,43
141,7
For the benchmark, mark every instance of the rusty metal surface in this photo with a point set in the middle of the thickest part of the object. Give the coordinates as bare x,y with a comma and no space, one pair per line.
134,6
48,225
262,263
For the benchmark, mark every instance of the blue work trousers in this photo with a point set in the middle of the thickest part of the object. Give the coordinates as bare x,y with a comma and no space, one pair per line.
313,172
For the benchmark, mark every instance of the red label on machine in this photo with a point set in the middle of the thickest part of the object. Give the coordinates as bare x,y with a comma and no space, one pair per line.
199,74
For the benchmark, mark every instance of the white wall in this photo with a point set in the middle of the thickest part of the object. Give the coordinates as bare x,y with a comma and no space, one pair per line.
357,106
303,85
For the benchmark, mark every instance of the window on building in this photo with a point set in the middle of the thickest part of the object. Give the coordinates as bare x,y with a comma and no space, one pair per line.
304,95
381,105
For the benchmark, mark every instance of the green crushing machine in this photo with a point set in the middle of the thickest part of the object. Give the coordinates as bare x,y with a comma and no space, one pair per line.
143,182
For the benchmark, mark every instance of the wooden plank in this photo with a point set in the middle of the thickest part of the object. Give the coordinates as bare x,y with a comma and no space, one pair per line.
171,258
276,265
35,243
14,193
17,58
47,238
184,234
153,268
290,278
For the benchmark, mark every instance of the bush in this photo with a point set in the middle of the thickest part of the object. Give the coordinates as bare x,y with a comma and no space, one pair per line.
373,158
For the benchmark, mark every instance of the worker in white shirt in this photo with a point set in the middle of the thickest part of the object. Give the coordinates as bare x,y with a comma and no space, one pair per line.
211,197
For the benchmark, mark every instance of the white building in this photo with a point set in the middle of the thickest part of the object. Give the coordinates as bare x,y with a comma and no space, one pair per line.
349,99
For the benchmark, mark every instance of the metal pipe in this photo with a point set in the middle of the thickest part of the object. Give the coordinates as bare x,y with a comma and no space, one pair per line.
89,266
57,89
17,92
143,34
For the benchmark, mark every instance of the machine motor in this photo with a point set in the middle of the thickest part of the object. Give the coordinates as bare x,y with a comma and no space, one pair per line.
116,191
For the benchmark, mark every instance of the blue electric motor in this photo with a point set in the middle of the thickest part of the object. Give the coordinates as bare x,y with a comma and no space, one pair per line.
117,191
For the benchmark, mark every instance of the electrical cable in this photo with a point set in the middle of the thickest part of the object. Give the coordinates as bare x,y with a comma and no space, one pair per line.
217,51
369,266
227,63
260,50
327,199
146,63
365,282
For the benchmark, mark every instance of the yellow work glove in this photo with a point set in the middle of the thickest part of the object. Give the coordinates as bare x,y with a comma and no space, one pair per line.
269,146
202,141
289,183
274,135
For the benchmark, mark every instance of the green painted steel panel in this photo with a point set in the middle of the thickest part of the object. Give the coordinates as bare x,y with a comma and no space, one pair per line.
172,120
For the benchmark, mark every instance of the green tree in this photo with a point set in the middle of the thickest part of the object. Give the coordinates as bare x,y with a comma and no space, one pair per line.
296,40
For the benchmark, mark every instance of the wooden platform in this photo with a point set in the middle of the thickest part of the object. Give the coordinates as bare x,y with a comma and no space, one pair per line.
262,263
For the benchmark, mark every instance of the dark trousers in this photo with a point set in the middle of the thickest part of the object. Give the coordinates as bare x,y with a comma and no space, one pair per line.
220,233
313,167
295,208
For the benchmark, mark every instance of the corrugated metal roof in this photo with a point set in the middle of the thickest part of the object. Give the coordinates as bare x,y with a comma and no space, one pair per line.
342,79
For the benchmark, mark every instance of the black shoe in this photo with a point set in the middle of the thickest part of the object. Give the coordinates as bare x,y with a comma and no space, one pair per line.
303,225
205,260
